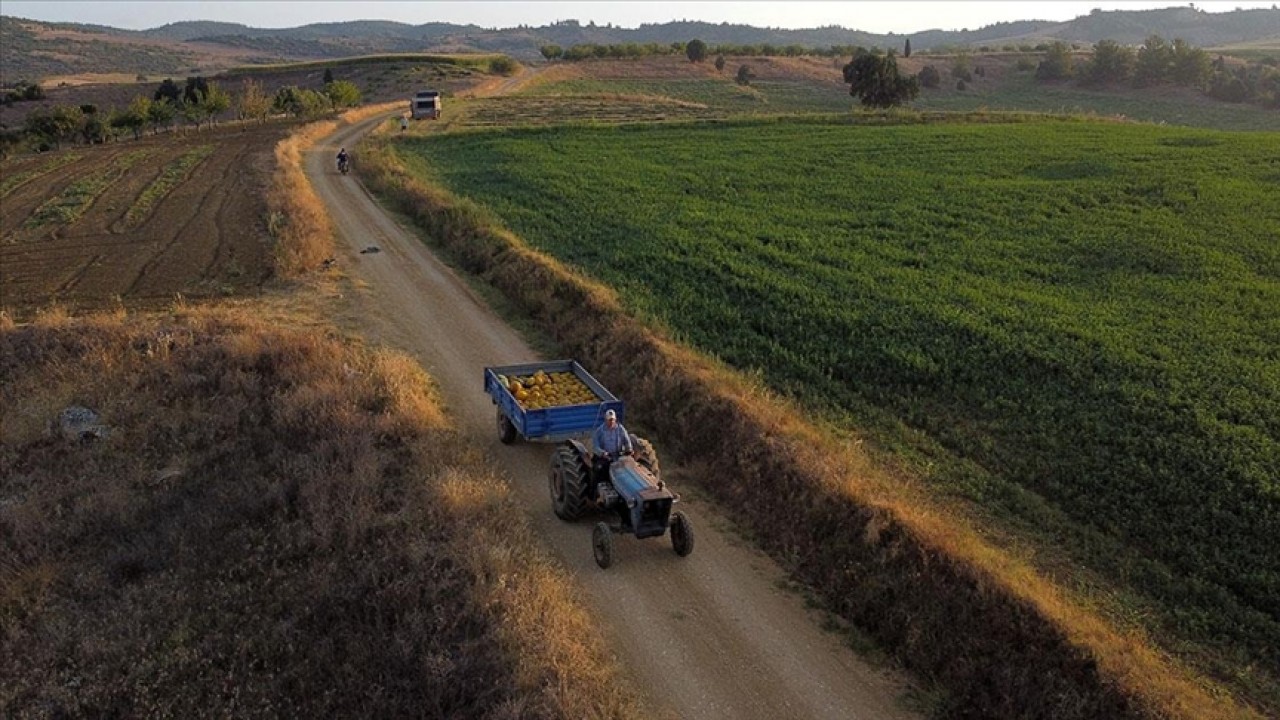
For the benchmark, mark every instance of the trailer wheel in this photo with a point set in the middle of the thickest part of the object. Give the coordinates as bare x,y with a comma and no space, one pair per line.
602,545
681,534
506,429
646,455
568,478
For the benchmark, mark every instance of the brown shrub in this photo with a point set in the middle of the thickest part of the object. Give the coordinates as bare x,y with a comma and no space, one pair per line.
1000,639
276,523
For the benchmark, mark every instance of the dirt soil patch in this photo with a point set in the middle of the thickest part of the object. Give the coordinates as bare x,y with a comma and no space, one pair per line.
139,220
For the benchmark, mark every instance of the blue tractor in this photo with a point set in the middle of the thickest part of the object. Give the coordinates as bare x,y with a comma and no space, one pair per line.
629,487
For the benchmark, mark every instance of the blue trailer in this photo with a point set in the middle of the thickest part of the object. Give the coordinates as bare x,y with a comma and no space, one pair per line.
551,424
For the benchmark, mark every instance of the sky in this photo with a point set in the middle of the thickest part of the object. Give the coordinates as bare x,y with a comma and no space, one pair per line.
899,16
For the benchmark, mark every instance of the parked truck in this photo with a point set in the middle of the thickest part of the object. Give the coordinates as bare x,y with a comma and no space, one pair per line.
425,104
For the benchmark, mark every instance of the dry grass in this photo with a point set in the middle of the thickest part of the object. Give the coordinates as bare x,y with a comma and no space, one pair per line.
297,218
1002,640
277,523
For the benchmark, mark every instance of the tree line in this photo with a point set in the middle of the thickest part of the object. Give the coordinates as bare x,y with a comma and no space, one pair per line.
1159,62
198,103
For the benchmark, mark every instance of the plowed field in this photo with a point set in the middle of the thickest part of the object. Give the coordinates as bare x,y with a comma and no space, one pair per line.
139,220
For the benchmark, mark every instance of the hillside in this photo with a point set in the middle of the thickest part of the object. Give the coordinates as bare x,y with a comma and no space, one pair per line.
32,49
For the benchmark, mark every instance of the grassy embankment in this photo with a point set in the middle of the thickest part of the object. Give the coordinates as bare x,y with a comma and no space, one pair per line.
275,522
973,334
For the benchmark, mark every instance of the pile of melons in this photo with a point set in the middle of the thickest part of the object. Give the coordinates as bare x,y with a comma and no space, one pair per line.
544,390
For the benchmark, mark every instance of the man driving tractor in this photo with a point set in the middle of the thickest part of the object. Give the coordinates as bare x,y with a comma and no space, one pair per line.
609,442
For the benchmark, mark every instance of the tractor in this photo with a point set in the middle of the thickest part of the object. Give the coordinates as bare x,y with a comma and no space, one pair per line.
628,487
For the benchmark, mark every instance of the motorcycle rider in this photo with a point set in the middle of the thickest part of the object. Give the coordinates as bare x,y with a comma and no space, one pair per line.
343,158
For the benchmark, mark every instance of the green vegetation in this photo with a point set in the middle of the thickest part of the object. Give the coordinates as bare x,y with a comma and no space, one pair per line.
1071,325
67,206
11,182
173,175
721,95
1181,108
477,62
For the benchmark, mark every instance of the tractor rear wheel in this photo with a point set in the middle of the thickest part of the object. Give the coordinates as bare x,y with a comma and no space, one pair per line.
568,478
602,545
506,429
646,455
681,534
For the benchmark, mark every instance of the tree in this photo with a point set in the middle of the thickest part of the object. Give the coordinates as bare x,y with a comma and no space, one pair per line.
300,102
961,68
551,52
1056,64
906,50
929,77
696,50
328,75
133,117
1154,62
876,81
169,91
503,65
343,93
160,113
719,63
1111,63
196,88
216,102
252,104
52,125
1191,65
191,112
94,130
744,75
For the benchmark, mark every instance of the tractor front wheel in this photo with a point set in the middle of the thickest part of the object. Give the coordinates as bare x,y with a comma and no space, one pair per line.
602,545
681,534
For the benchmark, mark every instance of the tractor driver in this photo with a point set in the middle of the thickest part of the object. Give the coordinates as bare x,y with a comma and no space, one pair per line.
610,442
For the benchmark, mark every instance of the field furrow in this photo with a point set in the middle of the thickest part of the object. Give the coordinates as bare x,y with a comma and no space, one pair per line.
68,206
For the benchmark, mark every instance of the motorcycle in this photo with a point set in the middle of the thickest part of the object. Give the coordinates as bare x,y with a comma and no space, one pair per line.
344,165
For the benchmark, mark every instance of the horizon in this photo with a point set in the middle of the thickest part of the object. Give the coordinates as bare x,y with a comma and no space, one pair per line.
878,17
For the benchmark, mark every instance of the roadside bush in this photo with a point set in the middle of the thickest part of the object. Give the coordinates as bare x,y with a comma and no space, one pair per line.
503,66
745,75
929,77
10,140
1057,63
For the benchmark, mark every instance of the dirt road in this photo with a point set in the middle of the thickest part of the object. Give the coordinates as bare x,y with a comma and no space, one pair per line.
709,636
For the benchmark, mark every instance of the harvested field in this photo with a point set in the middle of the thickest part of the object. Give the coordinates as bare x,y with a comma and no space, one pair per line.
140,220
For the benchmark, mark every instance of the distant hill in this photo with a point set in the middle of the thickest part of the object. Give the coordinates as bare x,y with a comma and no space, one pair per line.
31,49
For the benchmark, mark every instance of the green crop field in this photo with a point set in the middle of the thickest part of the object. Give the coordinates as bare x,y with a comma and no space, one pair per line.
1073,325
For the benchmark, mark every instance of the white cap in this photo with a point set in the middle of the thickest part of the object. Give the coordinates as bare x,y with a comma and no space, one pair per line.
610,415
